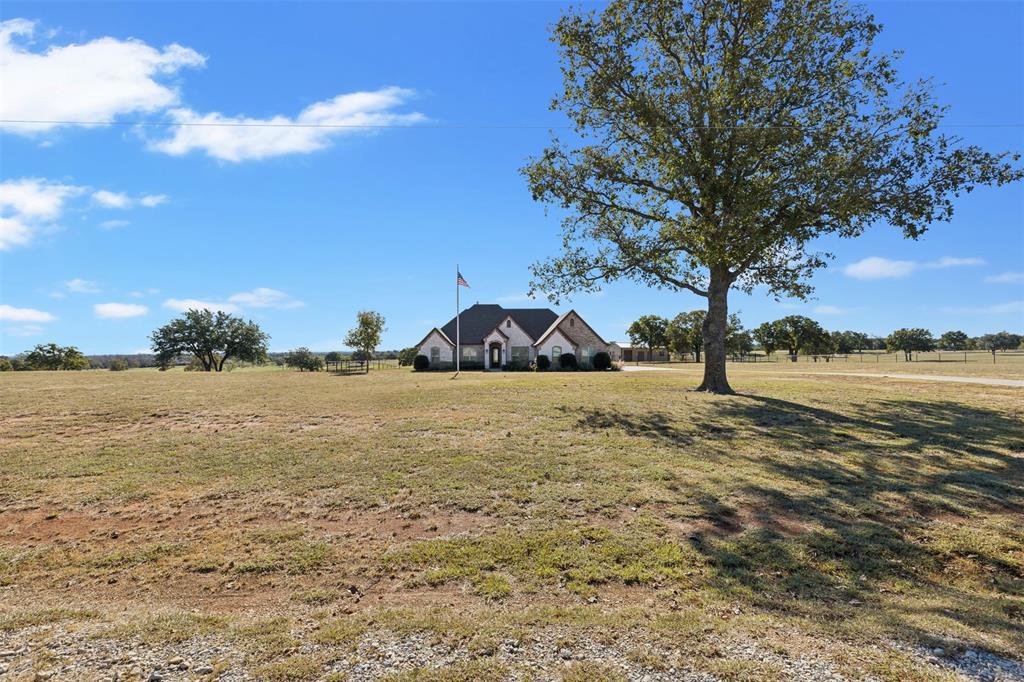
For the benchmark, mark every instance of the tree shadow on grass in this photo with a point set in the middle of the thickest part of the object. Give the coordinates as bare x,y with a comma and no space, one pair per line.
884,499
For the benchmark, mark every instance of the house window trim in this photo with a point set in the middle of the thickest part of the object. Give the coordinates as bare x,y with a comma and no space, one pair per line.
556,353
435,351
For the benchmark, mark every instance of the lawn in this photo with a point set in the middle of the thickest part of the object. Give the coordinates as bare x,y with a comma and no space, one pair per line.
406,526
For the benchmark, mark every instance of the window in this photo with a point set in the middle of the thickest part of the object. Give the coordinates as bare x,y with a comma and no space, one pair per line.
469,354
556,352
521,355
435,355
508,324
586,352
572,321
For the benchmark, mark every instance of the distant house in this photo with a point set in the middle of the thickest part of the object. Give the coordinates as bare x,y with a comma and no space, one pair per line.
625,351
493,337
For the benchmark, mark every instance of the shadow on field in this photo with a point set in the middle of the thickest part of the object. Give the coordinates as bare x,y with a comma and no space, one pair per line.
842,510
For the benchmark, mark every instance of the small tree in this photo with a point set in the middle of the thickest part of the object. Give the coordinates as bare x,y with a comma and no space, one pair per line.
954,340
50,356
544,362
798,333
910,340
421,363
769,336
118,366
212,338
304,359
5,364
365,336
406,356
649,331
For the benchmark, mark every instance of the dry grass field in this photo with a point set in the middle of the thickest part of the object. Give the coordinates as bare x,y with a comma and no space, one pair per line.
284,526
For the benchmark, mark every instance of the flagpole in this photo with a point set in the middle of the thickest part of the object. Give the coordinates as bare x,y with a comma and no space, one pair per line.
457,330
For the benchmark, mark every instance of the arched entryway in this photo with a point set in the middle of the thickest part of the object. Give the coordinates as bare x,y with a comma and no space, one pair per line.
494,355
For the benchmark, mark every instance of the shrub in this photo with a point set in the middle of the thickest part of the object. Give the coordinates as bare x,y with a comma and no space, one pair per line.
304,360
543,362
118,366
568,361
5,365
421,363
601,361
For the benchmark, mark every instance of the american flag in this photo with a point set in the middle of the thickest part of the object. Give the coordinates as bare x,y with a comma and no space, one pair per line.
460,280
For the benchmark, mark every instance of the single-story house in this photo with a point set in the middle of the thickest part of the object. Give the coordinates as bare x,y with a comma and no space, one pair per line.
624,351
493,337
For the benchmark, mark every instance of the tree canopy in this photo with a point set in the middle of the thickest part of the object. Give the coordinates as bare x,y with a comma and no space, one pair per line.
304,359
211,338
366,335
685,334
721,138
954,340
50,356
910,340
795,334
1000,341
649,331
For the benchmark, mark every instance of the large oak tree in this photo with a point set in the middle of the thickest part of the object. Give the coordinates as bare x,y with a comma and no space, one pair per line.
719,138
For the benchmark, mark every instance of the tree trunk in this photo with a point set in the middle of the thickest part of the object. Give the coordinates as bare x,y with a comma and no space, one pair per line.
714,328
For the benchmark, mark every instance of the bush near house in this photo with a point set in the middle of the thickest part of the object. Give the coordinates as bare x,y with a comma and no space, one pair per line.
601,361
543,363
568,361
421,363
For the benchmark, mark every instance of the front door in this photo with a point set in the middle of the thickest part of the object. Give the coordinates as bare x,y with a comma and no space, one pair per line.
495,356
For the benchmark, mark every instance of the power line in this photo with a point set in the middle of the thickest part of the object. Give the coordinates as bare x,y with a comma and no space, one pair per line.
458,126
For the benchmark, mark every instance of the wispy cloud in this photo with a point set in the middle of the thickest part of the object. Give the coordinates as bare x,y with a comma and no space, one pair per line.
243,138
109,199
1006,278
830,310
151,200
9,313
114,224
877,267
24,330
82,286
1007,308
182,304
262,297
114,311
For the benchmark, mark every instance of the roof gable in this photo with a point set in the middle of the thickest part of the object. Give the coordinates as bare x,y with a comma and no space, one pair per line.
478,320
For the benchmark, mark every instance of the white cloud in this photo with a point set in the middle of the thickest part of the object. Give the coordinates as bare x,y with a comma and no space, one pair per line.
263,297
109,199
876,267
950,262
114,224
240,138
830,310
81,286
151,200
182,304
29,205
12,314
110,311
93,81
24,330
1006,278
993,309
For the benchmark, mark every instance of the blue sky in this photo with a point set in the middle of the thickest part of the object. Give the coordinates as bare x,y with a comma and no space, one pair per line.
108,231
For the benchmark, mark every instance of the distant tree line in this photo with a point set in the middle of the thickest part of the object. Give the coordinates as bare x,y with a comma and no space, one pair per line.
796,334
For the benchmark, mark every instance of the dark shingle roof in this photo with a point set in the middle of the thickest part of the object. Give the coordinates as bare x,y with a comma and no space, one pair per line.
478,320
